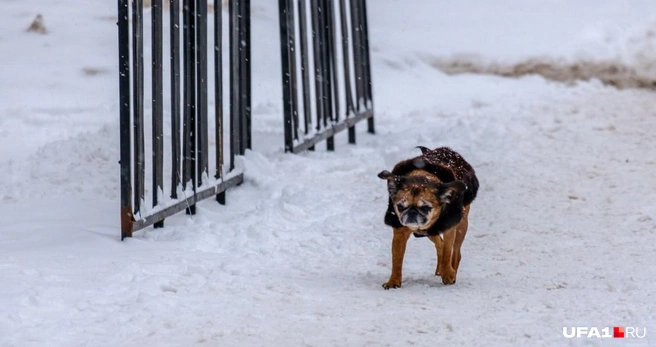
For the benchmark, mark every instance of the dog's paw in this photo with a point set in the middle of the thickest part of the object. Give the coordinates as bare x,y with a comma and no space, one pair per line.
448,276
448,279
392,284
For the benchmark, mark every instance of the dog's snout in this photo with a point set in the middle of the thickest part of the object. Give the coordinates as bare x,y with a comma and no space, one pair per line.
412,215
413,211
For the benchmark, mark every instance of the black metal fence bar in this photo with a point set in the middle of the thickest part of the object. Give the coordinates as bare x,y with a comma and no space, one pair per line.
367,62
235,143
305,66
292,68
158,105
347,67
245,73
191,105
332,57
246,80
326,77
218,97
201,79
188,93
239,78
285,10
316,50
357,52
189,140
321,67
175,96
124,115
139,168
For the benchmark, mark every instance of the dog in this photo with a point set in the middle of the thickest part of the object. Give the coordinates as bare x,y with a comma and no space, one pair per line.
430,196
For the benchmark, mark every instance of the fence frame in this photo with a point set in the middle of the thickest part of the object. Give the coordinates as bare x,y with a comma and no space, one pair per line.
326,91
191,164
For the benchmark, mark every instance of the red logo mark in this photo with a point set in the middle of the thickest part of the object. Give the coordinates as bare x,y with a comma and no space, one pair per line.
618,332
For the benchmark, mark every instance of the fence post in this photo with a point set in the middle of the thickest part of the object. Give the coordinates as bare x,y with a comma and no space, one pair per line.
158,105
138,107
235,141
367,59
201,94
246,80
286,12
347,69
240,74
316,45
127,217
327,73
305,65
175,96
190,119
218,96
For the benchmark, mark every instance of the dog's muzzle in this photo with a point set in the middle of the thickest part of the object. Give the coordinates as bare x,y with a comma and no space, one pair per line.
413,218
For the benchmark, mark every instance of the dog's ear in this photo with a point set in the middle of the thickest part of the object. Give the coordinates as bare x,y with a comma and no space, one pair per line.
393,181
423,149
385,174
447,192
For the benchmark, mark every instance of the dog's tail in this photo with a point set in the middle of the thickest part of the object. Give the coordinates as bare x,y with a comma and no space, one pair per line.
423,149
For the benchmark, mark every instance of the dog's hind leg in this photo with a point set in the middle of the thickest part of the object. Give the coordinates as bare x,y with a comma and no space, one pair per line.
399,241
439,243
461,231
447,272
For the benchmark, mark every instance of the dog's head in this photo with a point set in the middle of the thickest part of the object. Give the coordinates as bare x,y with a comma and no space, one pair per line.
419,200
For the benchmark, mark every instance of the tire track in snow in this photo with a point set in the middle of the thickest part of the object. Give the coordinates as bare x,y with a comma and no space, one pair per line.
609,72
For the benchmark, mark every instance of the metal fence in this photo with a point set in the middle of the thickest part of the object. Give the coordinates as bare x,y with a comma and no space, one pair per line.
338,70
195,131
188,108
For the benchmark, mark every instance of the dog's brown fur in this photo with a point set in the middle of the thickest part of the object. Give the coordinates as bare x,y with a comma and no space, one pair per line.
432,193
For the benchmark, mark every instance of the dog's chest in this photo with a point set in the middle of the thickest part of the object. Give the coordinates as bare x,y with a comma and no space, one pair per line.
423,233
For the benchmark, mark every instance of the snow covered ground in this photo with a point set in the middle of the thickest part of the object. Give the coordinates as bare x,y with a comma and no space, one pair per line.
562,233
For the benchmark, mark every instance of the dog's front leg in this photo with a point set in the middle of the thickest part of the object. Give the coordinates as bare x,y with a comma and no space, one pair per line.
439,244
447,272
399,241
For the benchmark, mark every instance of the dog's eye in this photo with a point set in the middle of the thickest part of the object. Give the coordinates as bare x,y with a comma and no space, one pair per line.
401,208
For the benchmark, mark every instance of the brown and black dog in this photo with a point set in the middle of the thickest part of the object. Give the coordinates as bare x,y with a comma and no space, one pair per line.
430,196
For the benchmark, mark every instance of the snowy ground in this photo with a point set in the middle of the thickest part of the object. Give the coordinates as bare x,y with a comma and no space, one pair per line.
561,235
